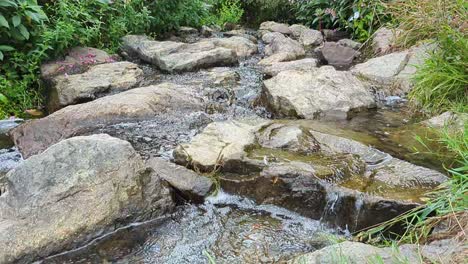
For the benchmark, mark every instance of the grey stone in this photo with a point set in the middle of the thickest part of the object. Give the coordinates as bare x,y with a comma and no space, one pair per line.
310,38
99,79
382,70
288,137
190,185
307,64
173,56
323,92
74,192
452,121
240,33
337,55
297,30
34,136
275,27
270,36
384,40
241,45
220,144
282,49
76,61
349,43
223,76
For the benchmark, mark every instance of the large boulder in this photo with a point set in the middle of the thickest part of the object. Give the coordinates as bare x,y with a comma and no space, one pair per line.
220,144
297,29
323,92
74,192
337,55
271,26
99,79
241,45
173,56
382,70
77,60
307,64
34,136
310,38
350,43
270,36
240,33
189,185
282,49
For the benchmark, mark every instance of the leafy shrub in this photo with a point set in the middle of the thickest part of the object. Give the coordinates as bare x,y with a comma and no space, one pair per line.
359,17
222,12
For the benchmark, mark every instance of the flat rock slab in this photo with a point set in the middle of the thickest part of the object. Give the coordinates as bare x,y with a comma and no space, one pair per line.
190,185
282,49
298,65
74,192
99,79
323,92
241,45
220,144
384,69
143,103
173,56
272,26
76,61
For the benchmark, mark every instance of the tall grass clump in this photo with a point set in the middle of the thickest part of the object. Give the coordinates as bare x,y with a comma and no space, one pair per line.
426,19
442,81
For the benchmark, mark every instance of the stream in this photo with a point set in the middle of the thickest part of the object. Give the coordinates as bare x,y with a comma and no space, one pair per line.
228,228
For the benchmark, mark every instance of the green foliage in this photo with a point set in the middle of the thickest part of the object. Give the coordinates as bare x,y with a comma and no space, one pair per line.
222,12
442,81
258,11
359,17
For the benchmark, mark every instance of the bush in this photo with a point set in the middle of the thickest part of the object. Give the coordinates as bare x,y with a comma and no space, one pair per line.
258,11
359,17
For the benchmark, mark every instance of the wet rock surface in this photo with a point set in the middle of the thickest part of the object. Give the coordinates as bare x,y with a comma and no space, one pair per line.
323,92
35,136
73,192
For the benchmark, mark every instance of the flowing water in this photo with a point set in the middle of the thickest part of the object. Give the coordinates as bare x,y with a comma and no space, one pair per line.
227,228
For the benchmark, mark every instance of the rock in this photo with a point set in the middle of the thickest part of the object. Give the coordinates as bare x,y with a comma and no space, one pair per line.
337,55
99,79
288,137
350,44
354,252
307,64
323,92
5,127
220,144
270,36
311,38
34,136
76,61
223,76
185,31
75,191
382,70
176,56
384,40
207,31
242,46
240,33
453,121
189,184
297,30
334,35
275,27
417,56
282,49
